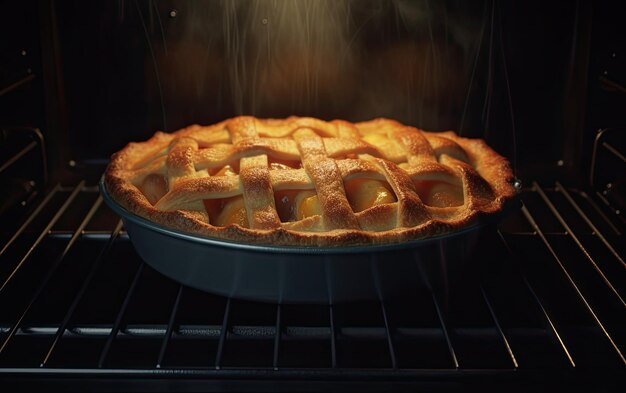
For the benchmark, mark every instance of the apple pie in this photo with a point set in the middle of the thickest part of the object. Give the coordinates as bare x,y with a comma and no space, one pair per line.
307,182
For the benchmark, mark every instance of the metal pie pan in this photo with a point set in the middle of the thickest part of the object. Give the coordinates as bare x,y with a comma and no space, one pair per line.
282,274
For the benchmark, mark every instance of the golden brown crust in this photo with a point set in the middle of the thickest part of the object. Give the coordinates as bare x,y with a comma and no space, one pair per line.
167,178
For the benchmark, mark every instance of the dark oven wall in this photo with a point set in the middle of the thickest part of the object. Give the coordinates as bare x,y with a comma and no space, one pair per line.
502,71
534,303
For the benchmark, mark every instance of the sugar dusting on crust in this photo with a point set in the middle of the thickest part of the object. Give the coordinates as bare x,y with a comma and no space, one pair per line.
486,177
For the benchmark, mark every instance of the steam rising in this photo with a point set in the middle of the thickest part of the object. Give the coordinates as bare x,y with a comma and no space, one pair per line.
412,61
285,54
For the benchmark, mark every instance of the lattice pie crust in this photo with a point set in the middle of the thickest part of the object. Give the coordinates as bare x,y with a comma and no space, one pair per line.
306,182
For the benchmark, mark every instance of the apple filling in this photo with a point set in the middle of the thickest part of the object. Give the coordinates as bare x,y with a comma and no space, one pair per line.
307,205
364,193
277,164
295,205
153,186
439,194
226,170
226,211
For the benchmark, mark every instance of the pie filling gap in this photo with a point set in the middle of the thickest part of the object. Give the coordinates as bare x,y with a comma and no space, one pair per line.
365,193
439,193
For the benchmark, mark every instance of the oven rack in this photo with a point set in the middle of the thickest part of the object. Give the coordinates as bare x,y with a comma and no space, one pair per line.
542,301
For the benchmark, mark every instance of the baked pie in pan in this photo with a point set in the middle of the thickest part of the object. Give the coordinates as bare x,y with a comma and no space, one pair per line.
307,182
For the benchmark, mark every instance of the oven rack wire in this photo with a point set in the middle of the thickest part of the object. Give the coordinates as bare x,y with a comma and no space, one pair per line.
543,300
559,307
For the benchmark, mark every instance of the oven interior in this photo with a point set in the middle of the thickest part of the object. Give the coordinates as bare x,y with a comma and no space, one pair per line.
540,306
